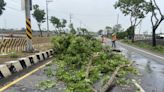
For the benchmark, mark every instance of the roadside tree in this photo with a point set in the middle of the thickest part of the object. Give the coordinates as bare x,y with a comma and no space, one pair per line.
72,29
100,32
135,9
109,30
63,24
56,23
157,18
2,6
39,15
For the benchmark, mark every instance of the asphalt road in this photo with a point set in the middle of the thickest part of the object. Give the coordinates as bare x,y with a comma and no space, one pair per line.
28,80
150,66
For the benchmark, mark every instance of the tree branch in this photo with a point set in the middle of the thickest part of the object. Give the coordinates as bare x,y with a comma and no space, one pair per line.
88,69
152,20
158,23
135,21
108,84
131,21
139,22
155,16
158,8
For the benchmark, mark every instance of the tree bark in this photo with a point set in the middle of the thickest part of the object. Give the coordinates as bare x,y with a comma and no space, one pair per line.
154,37
155,27
133,33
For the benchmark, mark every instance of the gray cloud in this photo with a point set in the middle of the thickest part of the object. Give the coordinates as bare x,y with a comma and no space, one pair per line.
94,14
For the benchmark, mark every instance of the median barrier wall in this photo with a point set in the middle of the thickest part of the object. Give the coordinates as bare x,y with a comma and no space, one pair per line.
4,71
14,66
11,67
39,56
8,45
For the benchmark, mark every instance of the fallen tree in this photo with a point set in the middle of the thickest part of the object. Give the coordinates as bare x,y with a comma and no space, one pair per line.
82,61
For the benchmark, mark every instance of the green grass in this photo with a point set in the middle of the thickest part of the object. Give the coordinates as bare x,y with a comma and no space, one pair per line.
157,49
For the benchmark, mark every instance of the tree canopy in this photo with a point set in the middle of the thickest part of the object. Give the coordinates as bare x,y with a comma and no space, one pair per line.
2,6
134,8
55,21
39,15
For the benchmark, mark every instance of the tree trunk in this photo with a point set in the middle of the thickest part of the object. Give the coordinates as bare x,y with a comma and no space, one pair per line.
154,38
40,30
133,33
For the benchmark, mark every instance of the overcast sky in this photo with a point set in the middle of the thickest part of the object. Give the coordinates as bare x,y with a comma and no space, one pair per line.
93,14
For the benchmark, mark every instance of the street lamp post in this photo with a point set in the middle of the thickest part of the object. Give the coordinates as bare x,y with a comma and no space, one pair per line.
47,1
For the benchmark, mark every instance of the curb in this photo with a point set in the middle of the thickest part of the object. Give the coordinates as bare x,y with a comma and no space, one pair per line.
8,68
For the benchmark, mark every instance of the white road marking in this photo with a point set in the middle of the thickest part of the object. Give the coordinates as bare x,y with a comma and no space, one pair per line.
138,86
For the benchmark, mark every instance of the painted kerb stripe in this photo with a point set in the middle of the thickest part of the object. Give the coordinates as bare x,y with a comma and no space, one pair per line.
28,29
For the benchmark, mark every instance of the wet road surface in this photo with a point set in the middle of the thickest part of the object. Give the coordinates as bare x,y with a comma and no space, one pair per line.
150,67
30,84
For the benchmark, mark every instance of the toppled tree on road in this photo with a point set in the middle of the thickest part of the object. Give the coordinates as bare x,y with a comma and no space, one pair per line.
82,61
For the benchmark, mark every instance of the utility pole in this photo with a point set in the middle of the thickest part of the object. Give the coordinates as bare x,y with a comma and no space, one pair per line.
47,17
29,47
117,18
47,1
70,16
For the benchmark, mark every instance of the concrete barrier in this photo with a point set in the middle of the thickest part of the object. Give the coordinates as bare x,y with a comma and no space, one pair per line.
48,54
45,55
25,62
34,58
14,66
51,51
4,71
39,56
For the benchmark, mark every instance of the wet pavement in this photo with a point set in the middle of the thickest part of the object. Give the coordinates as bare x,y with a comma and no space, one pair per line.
151,70
30,84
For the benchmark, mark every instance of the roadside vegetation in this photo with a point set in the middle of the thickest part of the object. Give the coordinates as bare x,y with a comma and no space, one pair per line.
158,49
82,61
